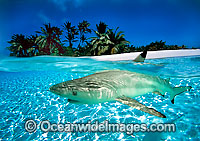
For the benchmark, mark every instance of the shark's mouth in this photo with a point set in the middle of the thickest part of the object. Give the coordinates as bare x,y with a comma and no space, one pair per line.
73,101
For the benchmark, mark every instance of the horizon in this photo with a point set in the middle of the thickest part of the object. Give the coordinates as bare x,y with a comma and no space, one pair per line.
143,22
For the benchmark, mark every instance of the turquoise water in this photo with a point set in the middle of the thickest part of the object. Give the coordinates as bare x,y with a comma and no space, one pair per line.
24,95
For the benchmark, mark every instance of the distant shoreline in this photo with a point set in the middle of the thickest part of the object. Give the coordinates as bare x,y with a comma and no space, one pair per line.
17,64
132,55
150,55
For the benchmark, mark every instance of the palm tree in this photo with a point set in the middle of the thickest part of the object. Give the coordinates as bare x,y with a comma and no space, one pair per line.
118,40
18,45
157,45
107,41
34,49
49,40
83,28
72,32
22,46
100,43
101,28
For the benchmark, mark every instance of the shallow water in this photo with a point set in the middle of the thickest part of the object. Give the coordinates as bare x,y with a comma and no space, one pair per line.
24,95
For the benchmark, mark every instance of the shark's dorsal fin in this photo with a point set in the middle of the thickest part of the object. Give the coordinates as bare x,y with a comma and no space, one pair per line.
135,104
141,57
101,71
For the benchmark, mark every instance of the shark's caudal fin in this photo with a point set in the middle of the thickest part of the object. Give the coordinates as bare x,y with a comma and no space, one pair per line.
177,91
141,57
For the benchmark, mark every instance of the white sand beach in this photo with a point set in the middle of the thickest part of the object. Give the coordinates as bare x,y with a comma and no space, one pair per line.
150,55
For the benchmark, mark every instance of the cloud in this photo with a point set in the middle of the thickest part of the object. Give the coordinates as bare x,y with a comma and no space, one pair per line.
44,18
78,3
61,4
64,4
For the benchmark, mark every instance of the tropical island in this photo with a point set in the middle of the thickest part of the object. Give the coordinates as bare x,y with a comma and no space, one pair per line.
107,41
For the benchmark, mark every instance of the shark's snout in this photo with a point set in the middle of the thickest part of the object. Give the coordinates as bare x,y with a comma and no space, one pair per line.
59,89
52,89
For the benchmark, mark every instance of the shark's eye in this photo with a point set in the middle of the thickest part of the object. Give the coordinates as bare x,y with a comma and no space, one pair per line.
74,93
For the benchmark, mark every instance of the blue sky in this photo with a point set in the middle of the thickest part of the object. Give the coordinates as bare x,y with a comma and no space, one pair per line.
143,21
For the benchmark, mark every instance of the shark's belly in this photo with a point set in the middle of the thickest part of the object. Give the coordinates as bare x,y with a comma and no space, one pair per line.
108,97
100,95
134,92
137,87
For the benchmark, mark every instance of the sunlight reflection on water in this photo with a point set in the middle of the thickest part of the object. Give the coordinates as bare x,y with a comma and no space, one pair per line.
24,94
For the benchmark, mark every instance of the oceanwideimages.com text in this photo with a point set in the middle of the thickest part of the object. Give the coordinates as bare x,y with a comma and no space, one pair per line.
96,126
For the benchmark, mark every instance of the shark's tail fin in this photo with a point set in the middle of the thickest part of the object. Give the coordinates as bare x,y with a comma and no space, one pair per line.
177,91
141,57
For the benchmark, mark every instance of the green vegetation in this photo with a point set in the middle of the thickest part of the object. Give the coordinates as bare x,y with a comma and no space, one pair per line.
49,41
107,41
22,46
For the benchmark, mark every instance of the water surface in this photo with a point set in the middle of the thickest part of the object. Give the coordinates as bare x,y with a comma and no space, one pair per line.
24,95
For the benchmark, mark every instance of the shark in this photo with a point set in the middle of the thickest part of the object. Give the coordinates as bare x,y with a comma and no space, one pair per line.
139,60
116,85
141,57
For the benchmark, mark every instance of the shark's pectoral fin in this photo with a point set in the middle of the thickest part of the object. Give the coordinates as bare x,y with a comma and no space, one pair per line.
135,104
157,92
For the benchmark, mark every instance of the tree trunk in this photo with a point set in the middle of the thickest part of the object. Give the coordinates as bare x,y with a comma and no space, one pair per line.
70,43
